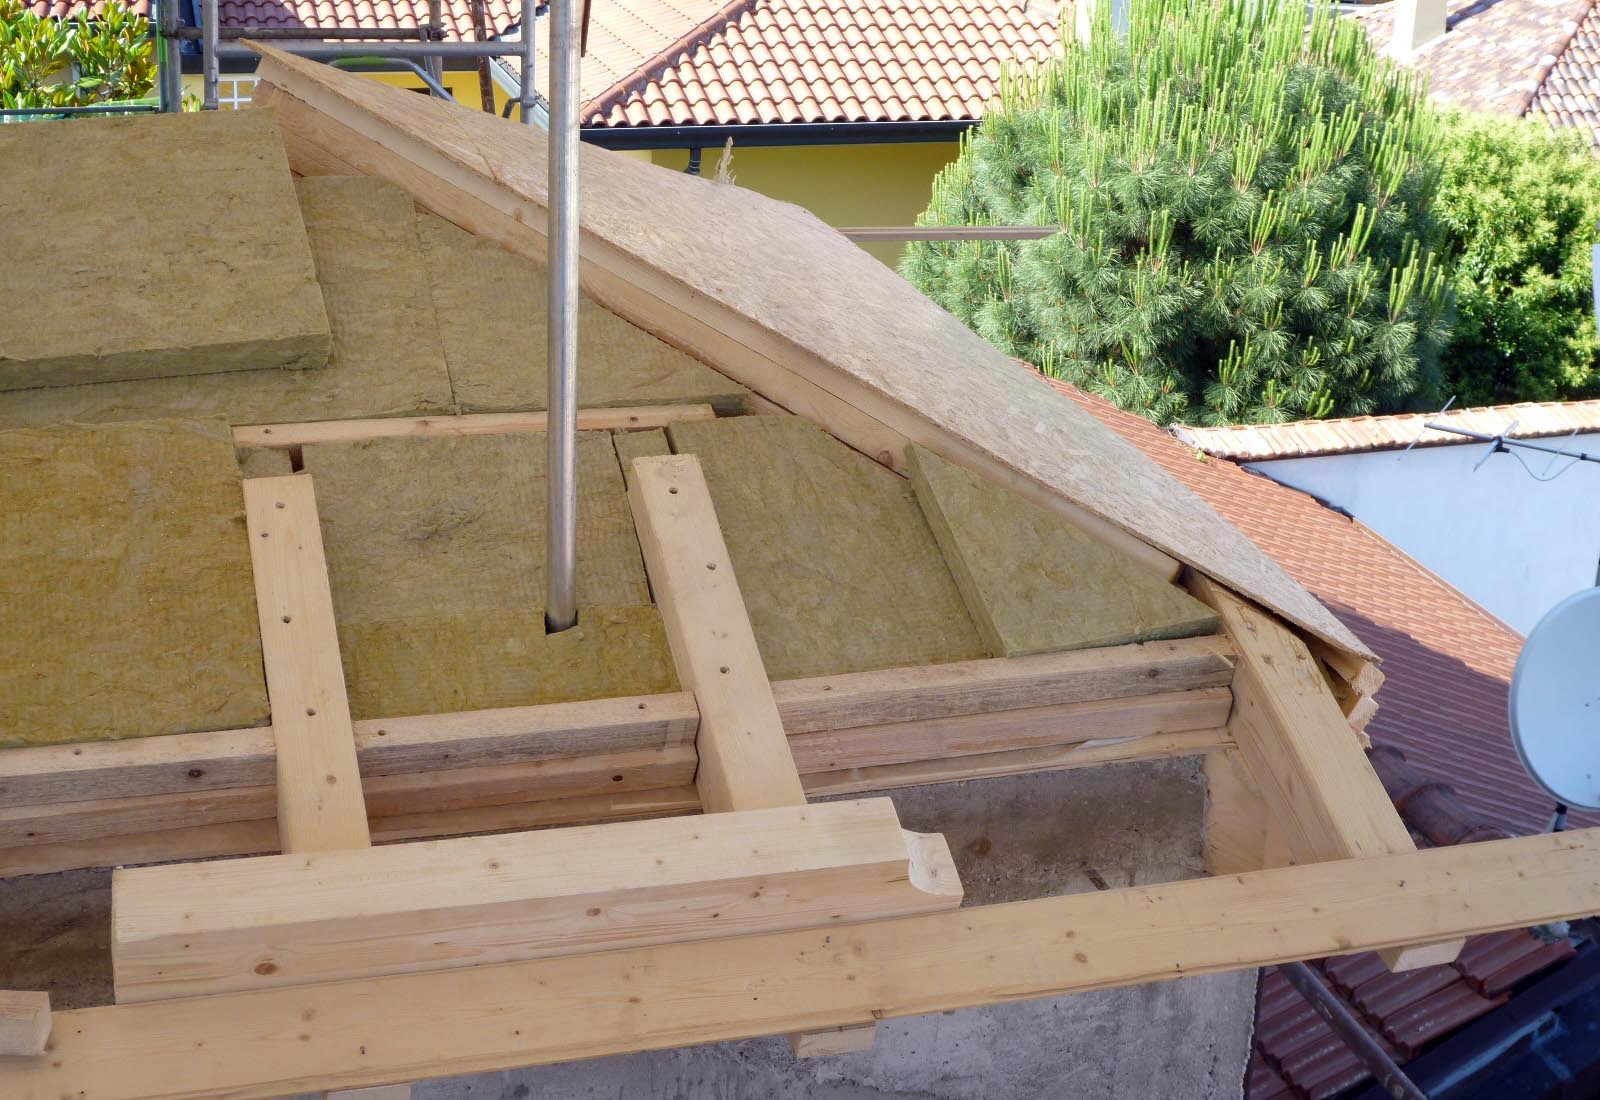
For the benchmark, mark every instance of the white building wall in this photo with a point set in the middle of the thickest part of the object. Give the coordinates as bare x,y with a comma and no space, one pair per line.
1513,544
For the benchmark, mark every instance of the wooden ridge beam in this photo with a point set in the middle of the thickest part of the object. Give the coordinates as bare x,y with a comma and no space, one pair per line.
625,418
234,925
486,1018
1303,756
243,758
319,782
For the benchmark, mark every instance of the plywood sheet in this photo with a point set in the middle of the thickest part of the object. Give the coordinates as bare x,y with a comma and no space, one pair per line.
126,602
492,310
838,568
1036,584
211,233
502,659
386,359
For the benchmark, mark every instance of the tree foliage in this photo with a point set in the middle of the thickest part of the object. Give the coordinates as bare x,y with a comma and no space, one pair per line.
1244,204
1520,204
73,62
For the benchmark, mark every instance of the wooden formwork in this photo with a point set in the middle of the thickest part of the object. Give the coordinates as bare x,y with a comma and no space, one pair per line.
336,965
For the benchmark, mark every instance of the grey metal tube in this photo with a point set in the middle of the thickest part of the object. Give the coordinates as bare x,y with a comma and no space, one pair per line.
528,95
435,33
211,71
309,34
561,539
168,59
1389,1076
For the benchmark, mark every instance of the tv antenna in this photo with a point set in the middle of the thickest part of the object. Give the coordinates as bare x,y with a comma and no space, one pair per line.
1554,706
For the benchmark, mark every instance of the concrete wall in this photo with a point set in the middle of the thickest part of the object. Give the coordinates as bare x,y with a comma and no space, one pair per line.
1514,544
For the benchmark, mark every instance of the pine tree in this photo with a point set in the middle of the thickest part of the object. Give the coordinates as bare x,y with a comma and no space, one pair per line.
1243,201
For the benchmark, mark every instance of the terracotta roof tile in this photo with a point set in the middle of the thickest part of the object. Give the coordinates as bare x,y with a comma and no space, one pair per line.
1570,94
866,61
1305,438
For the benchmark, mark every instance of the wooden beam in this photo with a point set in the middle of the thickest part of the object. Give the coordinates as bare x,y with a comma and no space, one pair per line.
959,769
1302,753
319,783
485,1018
82,772
849,1039
745,762
1008,730
248,838
288,436
1239,827
961,688
385,796
185,762
24,1023
232,925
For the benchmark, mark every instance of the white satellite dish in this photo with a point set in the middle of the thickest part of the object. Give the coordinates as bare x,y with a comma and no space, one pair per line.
1555,702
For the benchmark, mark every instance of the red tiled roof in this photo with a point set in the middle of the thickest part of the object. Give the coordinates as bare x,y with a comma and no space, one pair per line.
772,61
1349,435
1570,94
1447,665
1494,54
1447,662
67,9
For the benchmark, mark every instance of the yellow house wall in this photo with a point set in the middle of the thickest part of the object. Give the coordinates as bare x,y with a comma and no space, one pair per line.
844,185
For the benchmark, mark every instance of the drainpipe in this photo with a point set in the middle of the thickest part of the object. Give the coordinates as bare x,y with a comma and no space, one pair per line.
561,539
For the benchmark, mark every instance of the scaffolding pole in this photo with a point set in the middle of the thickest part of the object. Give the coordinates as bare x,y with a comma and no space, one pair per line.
169,63
561,576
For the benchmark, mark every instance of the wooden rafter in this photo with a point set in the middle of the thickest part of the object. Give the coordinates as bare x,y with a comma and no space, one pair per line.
517,1014
288,436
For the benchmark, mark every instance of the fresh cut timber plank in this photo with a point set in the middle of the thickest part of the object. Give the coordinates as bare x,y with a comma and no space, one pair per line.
385,796
319,783
1303,756
244,758
237,925
24,1022
484,1018
1007,730
745,761
286,436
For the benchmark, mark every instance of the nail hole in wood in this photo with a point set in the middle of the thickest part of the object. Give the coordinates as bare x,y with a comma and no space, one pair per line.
311,712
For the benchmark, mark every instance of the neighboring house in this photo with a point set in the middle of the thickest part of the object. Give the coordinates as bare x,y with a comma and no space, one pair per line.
1443,706
1496,528
1512,57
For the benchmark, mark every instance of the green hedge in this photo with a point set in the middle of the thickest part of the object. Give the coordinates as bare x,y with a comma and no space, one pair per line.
73,62
1520,203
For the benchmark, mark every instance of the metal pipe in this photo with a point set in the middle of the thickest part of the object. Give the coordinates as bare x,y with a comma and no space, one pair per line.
313,34
211,71
390,64
435,33
415,51
561,538
528,94
1389,1076
169,62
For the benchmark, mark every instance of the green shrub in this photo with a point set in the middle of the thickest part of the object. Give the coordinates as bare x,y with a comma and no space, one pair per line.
1244,202
1520,203
75,62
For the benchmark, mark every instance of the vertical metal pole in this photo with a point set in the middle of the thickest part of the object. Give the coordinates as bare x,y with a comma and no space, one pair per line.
526,98
211,72
435,33
561,570
169,62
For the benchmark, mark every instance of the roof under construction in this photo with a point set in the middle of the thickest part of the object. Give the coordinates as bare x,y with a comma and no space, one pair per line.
273,590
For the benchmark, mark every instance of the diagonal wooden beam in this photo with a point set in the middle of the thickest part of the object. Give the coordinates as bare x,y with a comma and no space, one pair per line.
478,1019
1303,756
319,784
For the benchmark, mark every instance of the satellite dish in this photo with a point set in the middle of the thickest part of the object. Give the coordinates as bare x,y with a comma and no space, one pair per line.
1555,702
